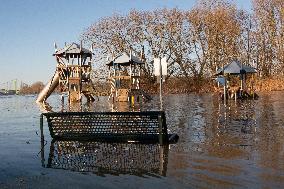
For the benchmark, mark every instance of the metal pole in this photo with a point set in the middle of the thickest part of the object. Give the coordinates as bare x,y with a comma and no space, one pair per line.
161,138
161,80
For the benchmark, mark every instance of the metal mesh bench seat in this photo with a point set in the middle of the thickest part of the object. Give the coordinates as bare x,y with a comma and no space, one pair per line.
108,126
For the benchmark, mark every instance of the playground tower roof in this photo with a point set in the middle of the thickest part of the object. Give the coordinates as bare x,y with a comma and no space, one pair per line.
73,49
125,60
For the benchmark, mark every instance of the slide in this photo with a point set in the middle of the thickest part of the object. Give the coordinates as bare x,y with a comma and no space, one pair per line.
49,88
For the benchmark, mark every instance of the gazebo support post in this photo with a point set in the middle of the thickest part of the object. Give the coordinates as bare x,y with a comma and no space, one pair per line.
225,91
225,83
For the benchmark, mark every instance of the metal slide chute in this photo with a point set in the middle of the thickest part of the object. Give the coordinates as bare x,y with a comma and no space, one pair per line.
49,88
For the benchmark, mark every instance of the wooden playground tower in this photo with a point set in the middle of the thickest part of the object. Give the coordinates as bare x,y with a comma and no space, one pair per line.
124,78
72,75
74,68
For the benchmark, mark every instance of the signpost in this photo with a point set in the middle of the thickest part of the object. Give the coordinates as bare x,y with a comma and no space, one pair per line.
160,70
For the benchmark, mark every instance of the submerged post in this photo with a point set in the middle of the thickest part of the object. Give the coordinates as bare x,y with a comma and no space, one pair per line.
41,127
42,141
252,87
164,151
242,72
163,138
225,92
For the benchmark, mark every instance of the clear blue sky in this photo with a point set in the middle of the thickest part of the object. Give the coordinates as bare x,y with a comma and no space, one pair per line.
30,27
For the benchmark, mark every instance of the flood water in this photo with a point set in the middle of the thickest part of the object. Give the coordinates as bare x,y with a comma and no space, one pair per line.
240,145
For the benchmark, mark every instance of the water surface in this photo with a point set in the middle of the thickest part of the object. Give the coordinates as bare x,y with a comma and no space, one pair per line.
240,145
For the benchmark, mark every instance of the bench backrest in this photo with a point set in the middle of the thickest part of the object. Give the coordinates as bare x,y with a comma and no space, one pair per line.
122,126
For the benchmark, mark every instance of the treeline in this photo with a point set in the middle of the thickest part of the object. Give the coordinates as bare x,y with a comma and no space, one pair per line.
35,88
198,41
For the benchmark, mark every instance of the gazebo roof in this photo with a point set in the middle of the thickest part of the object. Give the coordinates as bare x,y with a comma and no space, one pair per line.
235,68
73,49
125,60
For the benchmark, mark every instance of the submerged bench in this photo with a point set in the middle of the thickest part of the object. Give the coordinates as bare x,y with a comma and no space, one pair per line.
145,127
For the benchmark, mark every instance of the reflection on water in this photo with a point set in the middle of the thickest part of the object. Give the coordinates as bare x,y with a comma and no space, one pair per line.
237,145
240,145
108,158
101,104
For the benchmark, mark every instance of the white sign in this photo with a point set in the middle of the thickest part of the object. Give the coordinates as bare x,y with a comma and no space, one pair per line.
157,64
164,66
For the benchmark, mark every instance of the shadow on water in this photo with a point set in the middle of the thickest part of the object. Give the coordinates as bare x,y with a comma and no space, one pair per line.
107,158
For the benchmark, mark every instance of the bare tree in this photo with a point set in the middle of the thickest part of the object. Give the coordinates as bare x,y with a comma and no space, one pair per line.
269,25
196,42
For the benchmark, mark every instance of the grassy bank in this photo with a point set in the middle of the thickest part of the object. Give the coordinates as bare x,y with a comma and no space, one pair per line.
183,85
270,84
178,86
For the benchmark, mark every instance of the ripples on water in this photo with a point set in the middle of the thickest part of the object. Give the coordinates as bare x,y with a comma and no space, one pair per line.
240,145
